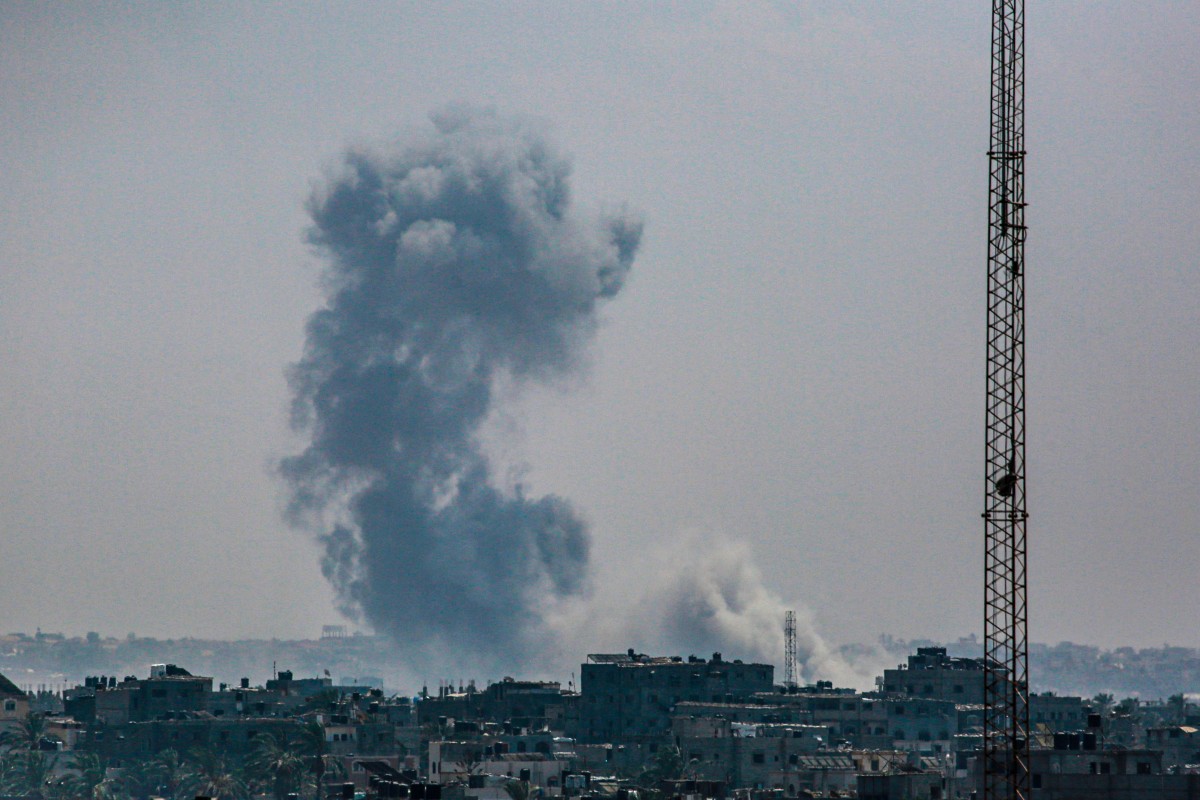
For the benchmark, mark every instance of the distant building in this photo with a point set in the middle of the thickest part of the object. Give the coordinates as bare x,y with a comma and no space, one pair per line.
303,688
1180,744
1049,714
933,675
629,697
169,691
520,704
911,785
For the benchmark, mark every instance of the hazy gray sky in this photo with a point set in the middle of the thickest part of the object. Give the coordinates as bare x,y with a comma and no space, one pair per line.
795,365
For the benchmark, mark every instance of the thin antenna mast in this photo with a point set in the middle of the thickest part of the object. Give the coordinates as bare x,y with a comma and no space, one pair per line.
789,650
1006,684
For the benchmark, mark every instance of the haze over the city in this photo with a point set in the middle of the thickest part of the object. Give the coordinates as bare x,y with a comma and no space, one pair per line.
783,401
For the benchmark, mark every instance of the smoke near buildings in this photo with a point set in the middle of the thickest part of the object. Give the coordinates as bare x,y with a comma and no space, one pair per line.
455,264
451,262
708,596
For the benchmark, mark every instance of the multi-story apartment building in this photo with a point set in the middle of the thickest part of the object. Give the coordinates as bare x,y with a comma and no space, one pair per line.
630,697
933,675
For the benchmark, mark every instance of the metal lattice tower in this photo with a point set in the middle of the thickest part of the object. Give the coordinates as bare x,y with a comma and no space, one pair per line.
1006,692
789,649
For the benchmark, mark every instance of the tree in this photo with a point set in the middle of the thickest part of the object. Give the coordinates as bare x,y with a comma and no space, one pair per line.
668,766
137,781
314,749
520,790
1103,703
276,764
1177,705
28,773
209,773
89,776
169,773
27,735
1126,707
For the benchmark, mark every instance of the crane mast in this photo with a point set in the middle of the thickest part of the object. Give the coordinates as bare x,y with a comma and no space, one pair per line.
1006,691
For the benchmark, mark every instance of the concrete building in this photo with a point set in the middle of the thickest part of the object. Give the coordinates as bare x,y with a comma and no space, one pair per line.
1071,770
170,690
531,705
924,725
14,704
853,719
629,698
1050,714
785,756
1179,744
933,675
912,785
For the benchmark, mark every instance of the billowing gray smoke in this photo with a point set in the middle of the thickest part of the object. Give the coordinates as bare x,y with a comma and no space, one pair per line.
452,262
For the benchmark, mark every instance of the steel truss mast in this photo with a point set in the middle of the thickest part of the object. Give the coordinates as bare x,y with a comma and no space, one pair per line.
1006,698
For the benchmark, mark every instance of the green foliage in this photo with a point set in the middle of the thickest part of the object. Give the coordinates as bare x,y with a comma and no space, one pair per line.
212,774
276,765
87,779
1126,707
27,735
1103,702
521,790
27,773
668,765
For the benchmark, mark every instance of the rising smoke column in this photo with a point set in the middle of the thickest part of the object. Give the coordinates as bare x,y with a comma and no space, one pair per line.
452,262
709,596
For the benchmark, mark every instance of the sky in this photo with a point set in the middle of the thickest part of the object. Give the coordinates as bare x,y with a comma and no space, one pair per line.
790,380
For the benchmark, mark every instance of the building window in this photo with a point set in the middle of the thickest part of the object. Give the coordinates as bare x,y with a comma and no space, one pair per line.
758,758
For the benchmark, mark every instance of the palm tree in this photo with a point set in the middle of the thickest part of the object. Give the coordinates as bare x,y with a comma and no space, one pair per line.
520,790
277,764
28,773
90,775
169,773
137,781
668,766
314,749
28,734
209,773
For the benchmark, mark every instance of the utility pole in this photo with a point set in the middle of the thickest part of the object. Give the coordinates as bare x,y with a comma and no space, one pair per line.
1006,690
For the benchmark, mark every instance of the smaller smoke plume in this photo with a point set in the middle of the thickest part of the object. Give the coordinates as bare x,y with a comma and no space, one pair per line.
453,262
708,596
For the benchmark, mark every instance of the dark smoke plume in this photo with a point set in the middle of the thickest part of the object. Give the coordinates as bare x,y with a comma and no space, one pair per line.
452,262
